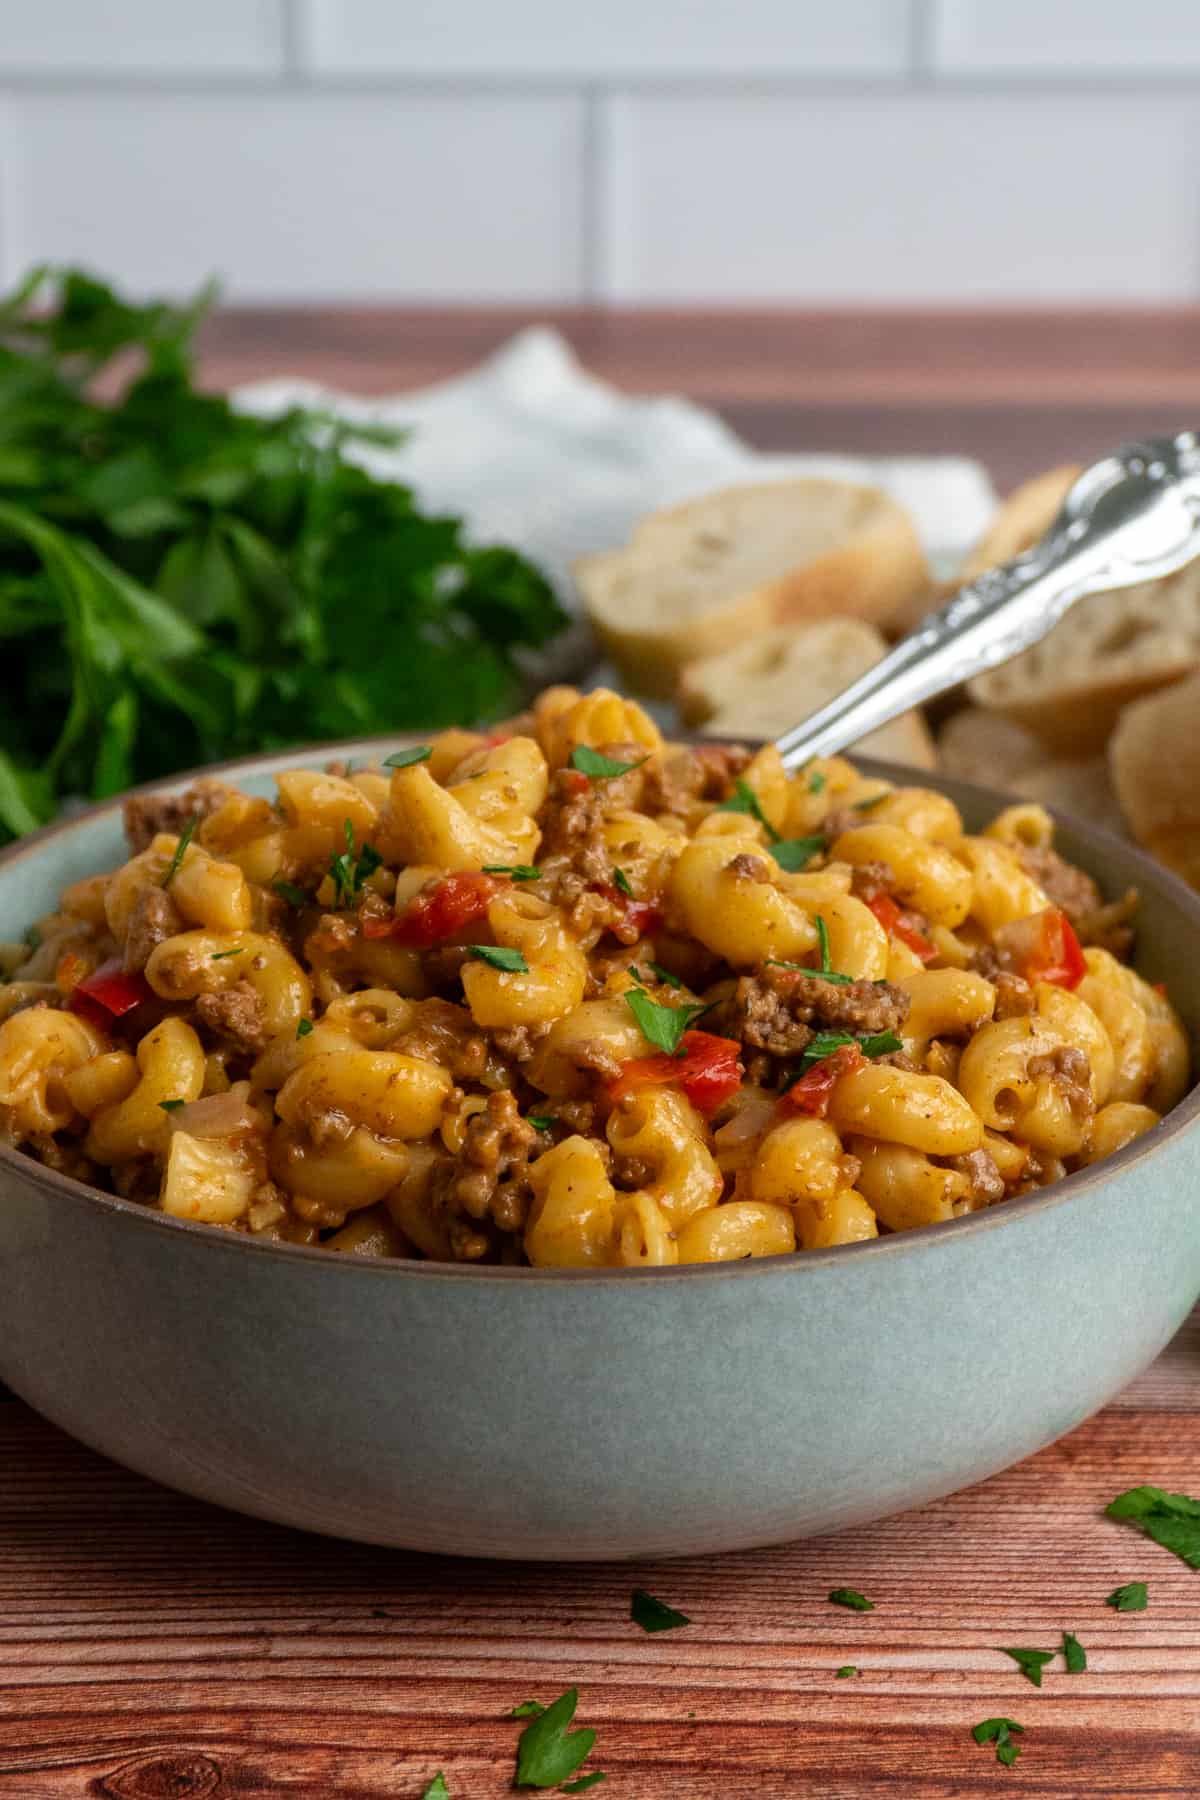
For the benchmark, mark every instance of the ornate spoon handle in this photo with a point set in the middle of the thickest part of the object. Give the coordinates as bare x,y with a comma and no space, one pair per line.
1130,518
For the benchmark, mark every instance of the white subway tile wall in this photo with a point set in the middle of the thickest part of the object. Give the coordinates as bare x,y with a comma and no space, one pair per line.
870,152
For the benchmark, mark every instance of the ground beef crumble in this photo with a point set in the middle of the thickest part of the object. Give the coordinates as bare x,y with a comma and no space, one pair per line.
1064,885
987,1183
152,921
489,1176
1071,1073
776,1010
236,1014
148,814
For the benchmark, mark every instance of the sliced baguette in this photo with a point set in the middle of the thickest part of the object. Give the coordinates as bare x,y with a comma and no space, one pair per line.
982,746
764,687
703,577
1155,761
1025,516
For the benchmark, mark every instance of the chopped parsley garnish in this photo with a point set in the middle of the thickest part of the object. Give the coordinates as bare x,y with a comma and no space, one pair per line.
1074,1654
518,871
847,1669
872,801
621,880
585,1781
348,871
1132,1597
880,1043
852,1598
500,957
404,759
437,1789
663,1026
998,1732
546,1751
303,1028
654,1615
794,854
528,1709
816,782
827,972
1172,1520
542,1121
220,955
287,890
589,762
185,838
665,975
1030,1662
170,1105
744,800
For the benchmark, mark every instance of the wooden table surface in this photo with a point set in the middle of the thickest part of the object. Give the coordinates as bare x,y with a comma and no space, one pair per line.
153,1648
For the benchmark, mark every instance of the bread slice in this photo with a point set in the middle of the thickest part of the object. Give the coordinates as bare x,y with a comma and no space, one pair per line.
704,577
767,686
1025,516
982,746
1155,761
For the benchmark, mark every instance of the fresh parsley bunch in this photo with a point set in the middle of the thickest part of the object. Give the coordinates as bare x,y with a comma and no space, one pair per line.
181,583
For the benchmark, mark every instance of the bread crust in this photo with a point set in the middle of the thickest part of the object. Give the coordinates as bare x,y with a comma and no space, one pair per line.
1154,757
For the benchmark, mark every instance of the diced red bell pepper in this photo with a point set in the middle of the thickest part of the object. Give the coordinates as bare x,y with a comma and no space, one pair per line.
891,917
641,916
574,781
433,916
1044,947
812,1093
708,1070
109,993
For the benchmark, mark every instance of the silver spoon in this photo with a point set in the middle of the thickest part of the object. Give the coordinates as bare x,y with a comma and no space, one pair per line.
1131,517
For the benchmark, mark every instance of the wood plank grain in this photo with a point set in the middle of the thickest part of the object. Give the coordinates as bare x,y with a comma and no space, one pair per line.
153,1646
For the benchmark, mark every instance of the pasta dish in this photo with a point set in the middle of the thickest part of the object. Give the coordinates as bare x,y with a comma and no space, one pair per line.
568,995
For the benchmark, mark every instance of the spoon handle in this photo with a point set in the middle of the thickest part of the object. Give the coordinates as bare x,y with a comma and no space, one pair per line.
1131,518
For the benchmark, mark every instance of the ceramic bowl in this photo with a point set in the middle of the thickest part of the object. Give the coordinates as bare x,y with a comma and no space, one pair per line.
572,1415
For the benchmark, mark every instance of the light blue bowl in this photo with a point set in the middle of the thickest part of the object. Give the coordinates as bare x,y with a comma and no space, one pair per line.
571,1415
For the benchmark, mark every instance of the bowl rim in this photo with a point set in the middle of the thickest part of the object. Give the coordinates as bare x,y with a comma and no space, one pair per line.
808,1265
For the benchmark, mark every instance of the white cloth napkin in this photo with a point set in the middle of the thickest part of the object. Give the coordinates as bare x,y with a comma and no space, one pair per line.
531,450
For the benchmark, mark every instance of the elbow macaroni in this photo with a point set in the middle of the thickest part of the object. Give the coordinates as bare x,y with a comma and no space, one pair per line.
431,1009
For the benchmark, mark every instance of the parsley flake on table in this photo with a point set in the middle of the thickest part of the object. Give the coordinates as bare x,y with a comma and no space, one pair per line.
528,1709
622,882
547,1753
1030,1662
744,800
852,1598
1074,1654
794,854
176,862
662,1026
654,1615
404,759
349,871
589,762
846,1670
585,1781
287,890
999,1732
1172,1520
437,1789
518,871
1133,1597
500,957
303,1028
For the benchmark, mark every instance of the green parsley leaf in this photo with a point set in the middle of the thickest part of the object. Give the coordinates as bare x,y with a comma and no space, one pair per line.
774,962
794,854
1030,1662
816,782
880,1043
518,871
546,1751
1074,1654
185,838
589,762
528,1709
665,975
303,1028
1133,1597
437,1789
622,881
287,890
404,759
499,957
872,801
998,1732
171,1105
654,1615
584,1782
542,1121
852,1598
220,955
1172,1520
846,1670
348,871
662,1026
823,944
744,800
